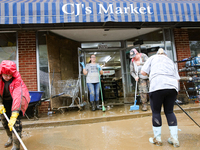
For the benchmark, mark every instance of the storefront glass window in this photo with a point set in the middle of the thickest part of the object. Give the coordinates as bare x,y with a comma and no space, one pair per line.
194,41
8,48
148,43
168,43
43,64
195,48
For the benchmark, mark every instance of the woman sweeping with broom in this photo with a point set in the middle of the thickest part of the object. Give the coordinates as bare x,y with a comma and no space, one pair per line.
14,97
92,71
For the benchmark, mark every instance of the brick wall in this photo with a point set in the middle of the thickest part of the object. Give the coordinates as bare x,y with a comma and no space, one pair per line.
27,58
182,46
28,63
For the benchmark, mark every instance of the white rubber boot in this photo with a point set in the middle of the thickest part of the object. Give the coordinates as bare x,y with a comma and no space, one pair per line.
157,136
174,136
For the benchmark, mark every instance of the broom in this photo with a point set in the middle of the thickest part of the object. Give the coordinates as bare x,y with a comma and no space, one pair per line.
103,107
135,107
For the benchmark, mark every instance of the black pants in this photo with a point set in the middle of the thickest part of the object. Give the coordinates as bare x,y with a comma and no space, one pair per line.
166,98
8,107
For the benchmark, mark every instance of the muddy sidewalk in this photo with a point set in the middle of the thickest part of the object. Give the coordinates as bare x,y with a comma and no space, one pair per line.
113,135
114,113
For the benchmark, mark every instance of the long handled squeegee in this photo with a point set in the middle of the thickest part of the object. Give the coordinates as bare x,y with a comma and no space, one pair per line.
187,114
103,107
20,140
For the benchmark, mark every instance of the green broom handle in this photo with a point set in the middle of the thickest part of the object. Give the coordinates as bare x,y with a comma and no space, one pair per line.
100,85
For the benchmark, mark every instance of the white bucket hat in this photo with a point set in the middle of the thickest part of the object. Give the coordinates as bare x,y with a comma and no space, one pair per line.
161,51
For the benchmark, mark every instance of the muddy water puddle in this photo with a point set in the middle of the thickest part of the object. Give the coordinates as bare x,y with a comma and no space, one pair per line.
113,135
70,115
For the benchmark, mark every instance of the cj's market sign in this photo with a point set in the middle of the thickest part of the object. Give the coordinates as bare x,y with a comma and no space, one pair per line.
110,9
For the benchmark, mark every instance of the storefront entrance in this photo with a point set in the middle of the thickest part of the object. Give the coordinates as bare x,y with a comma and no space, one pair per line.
111,80
118,86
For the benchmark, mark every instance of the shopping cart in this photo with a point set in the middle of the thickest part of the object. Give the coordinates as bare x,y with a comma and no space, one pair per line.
71,89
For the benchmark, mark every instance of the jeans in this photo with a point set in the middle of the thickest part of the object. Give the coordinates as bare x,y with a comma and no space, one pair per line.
94,91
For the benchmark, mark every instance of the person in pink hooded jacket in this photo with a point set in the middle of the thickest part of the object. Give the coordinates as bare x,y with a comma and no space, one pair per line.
14,97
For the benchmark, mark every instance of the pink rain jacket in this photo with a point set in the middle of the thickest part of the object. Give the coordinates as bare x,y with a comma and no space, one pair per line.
17,88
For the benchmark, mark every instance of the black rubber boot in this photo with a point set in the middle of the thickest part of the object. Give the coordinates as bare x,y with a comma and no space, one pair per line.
93,105
16,143
9,142
97,105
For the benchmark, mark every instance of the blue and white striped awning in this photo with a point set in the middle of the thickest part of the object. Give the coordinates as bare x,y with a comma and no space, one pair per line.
64,11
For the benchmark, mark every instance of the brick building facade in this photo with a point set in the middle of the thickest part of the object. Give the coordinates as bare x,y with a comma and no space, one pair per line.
27,18
28,64
182,45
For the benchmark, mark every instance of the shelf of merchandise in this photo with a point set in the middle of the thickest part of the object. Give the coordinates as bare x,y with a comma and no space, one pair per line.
191,87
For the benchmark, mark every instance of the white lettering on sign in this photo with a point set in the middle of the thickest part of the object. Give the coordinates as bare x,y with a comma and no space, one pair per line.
102,46
110,9
78,8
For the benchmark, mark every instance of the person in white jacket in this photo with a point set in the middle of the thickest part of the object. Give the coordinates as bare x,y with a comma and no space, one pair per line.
164,78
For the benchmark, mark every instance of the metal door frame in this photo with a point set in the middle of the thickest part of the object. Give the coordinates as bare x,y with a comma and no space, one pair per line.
83,94
85,50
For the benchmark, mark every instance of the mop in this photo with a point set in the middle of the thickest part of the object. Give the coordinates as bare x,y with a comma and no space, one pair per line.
103,107
135,107
20,140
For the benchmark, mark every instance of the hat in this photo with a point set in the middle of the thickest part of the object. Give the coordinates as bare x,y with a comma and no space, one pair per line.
161,51
133,52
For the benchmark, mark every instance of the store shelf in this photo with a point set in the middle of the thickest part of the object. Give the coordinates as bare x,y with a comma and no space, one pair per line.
193,74
109,87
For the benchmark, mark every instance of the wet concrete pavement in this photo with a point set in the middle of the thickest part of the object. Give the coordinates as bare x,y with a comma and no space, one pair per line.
117,128
113,135
116,112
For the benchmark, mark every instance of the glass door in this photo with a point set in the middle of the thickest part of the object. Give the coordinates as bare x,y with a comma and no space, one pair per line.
82,77
111,80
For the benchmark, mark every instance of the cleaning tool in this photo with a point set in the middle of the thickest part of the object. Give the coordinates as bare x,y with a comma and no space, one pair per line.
186,113
16,133
103,107
135,107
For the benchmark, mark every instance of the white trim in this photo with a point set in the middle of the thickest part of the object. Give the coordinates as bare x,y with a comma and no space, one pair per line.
37,63
17,52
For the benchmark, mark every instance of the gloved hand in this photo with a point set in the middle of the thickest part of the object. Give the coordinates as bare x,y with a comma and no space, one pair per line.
98,67
82,63
2,109
137,78
12,120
